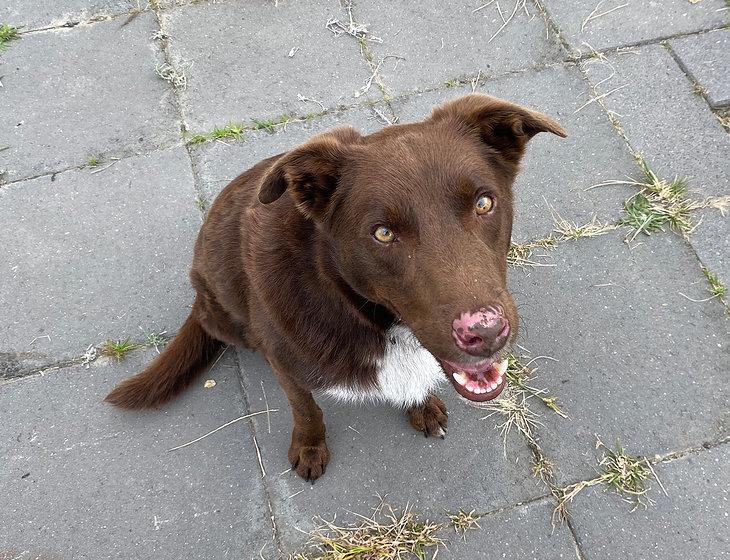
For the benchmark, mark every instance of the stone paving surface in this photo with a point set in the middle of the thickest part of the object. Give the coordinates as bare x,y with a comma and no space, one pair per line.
102,193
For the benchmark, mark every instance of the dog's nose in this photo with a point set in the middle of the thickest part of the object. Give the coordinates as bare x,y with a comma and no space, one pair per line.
481,332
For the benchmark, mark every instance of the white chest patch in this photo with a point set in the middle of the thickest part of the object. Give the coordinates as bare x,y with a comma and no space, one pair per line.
407,373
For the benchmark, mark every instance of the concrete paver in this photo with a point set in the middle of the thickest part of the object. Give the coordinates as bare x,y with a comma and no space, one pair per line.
444,40
60,97
690,521
601,25
636,361
705,58
81,479
88,257
241,70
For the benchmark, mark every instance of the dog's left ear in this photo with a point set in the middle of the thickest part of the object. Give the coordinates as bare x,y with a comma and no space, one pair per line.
311,171
505,126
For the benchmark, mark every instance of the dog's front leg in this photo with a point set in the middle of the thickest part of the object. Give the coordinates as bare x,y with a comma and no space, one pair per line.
429,417
308,453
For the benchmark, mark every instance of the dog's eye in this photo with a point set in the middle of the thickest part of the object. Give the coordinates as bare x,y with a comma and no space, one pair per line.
384,235
484,204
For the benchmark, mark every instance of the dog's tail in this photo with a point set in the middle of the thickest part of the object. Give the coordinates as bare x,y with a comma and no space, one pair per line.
185,357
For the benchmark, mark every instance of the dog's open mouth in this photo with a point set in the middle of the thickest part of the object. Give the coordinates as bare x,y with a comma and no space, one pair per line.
478,382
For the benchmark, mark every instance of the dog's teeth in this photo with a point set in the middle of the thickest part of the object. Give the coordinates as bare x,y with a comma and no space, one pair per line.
472,386
493,386
501,367
460,377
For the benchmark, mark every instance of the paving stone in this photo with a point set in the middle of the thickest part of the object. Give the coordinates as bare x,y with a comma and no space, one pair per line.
242,70
664,121
81,479
634,22
220,162
424,35
70,94
690,522
525,532
90,256
704,57
38,13
636,361
556,171
375,451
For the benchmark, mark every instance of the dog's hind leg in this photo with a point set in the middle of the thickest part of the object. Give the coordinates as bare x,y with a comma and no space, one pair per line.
308,453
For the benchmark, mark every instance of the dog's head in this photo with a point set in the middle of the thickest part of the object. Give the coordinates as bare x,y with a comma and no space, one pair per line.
418,218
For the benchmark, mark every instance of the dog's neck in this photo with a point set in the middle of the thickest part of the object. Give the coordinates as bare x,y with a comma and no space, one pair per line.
371,314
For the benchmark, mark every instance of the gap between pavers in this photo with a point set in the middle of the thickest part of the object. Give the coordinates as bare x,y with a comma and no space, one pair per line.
81,479
73,94
636,361
521,532
93,256
39,14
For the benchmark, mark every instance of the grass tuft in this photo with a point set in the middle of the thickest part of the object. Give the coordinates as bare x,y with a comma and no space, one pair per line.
7,33
623,473
118,348
201,203
661,203
386,534
94,161
269,125
717,288
463,521
156,340
231,130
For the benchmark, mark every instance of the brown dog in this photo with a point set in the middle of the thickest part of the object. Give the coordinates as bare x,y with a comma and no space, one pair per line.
364,267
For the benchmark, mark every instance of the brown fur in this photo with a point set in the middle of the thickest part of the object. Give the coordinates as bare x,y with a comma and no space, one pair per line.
285,262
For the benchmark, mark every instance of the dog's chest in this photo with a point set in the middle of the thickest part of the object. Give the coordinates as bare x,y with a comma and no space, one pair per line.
406,374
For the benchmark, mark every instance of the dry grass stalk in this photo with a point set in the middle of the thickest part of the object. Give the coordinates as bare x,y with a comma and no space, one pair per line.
594,16
521,254
571,230
386,534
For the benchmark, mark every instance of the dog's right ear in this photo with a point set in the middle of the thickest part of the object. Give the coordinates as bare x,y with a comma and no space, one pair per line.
311,171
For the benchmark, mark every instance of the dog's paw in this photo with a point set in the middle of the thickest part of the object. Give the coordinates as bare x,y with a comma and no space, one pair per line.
430,417
309,461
